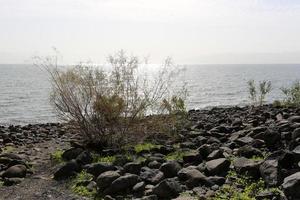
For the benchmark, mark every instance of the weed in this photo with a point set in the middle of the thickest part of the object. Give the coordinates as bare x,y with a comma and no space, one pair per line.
145,147
56,156
78,184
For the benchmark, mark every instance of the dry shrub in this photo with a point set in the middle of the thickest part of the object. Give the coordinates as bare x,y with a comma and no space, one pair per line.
112,106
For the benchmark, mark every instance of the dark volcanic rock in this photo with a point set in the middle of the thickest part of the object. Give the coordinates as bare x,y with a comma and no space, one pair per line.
67,170
218,166
72,153
84,158
247,166
16,171
122,184
291,186
167,189
98,168
132,168
106,178
152,176
170,169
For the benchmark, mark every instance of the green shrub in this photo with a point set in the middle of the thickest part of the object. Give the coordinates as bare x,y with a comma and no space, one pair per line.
292,95
110,106
57,156
78,184
177,155
258,96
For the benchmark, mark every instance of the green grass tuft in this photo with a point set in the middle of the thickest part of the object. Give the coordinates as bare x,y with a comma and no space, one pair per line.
145,147
78,188
57,156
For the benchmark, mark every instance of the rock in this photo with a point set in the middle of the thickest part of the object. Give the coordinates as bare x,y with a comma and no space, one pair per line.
150,197
84,158
270,172
192,177
264,195
67,170
98,168
139,187
244,140
294,119
216,180
192,157
291,186
167,189
16,171
122,184
12,181
132,168
106,178
296,133
215,155
246,166
154,164
204,150
249,152
170,169
72,153
121,160
152,176
218,166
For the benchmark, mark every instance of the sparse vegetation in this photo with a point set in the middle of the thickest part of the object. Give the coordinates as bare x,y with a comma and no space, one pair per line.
79,183
177,155
110,106
104,159
292,95
258,96
145,147
56,156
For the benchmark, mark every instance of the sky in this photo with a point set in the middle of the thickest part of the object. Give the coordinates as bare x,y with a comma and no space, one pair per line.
190,31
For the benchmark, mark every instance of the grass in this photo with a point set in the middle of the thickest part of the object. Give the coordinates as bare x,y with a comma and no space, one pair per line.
79,188
248,188
8,149
56,156
145,147
103,159
177,155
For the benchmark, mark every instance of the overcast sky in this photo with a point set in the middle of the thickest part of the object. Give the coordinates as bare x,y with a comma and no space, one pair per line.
191,31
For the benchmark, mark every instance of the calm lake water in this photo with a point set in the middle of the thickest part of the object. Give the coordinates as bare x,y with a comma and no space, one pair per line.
24,89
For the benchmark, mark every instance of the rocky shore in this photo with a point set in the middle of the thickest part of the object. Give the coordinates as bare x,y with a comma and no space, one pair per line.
222,153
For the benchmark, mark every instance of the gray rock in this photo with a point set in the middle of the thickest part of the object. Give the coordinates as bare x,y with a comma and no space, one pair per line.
270,172
132,168
170,169
152,176
106,178
246,166
291,186
168,188
122,184
16,171
98,168
67,170
218,166
192,177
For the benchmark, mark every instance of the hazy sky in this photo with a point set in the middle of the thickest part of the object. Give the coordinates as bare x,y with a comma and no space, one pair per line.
191,31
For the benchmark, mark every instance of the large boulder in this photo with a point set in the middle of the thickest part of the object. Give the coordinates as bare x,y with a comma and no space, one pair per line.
270,171
71,153
122,184
152,176
16,171
247,166
98,168
167,189
218,166
132,168
193,177
106,178
84,158
170,169
291,186
67,170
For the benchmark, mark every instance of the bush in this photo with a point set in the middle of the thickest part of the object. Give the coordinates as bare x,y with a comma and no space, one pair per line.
111,106
292,95
258,96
